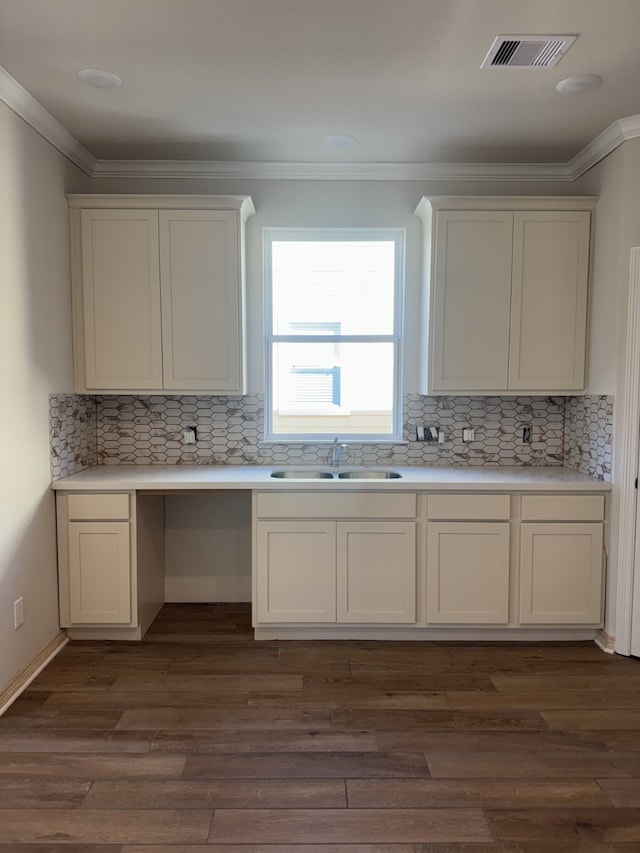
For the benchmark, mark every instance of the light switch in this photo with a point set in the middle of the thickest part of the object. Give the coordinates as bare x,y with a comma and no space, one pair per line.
468,434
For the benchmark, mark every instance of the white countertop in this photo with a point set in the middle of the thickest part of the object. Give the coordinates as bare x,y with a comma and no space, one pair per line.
168,478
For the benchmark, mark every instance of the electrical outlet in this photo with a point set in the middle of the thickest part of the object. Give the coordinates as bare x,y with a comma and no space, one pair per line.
18,613
189,435
468,435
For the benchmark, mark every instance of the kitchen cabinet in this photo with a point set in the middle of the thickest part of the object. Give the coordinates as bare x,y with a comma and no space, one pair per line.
468,561
561,560
158,293
505,294
323,558
110,563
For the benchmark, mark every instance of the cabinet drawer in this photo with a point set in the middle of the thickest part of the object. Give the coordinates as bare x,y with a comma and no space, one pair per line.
469,507
332,505
562,507
88,507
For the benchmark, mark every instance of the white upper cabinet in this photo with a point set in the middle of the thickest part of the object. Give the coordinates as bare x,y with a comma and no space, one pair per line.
158,287
505,295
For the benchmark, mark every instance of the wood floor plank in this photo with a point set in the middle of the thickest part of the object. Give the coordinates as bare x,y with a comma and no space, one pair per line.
511,765
623,793
287,826
23,716
548,700
291,848
105,827
593,718
212,684
214,719
474,793
67,740
42,794
617,826
229,793
309,765
346,698
444,740
503,720
90,766
568,681
287,740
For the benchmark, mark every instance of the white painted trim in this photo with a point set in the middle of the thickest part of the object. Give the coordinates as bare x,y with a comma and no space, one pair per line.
28,673
25,105
605,641
629,437
17,98
282,171
549,634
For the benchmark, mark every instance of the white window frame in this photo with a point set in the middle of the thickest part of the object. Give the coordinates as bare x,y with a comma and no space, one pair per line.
395,235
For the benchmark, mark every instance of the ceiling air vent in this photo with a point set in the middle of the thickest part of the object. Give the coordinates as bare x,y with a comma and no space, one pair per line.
527,51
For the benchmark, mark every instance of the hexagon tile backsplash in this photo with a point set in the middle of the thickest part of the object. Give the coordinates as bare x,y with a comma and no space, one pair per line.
146,430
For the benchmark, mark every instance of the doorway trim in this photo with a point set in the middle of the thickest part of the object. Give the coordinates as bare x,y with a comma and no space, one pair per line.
628,463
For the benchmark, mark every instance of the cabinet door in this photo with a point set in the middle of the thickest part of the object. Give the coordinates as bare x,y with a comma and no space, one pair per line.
376,572
99,572
469,325
549,300
561,573
121,299
296,571
202,322
468,573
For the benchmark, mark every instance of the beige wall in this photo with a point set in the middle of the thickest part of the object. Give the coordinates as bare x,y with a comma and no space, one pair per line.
35,359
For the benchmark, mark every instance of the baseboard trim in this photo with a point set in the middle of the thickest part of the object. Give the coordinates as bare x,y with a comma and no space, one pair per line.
25,676
606,642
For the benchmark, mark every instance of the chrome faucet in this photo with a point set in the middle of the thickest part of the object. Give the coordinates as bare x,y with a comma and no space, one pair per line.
336,452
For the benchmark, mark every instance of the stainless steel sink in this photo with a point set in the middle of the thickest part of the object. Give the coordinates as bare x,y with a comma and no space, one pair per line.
299,474
369,474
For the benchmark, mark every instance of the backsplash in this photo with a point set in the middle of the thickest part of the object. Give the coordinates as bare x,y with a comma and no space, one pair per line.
588,432
72,433
146,430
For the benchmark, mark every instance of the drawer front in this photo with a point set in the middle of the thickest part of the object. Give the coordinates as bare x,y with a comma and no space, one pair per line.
332,505
562,507
112,507
469,507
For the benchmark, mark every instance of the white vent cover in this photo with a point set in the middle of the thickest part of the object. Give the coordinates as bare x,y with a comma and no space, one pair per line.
527,51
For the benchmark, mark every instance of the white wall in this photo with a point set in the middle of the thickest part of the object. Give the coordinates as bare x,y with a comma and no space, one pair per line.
35,359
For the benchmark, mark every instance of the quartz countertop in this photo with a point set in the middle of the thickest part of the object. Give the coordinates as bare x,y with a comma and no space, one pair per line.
168,478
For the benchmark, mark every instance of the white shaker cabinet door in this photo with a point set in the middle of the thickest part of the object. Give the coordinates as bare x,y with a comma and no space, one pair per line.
202,321
296,580
469,323
121,299
549,300
99,572
561,573
376,571
467,572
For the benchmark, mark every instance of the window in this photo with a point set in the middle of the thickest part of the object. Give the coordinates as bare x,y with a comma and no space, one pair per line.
333,315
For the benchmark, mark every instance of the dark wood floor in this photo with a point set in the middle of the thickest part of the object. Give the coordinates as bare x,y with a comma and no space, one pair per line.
199,739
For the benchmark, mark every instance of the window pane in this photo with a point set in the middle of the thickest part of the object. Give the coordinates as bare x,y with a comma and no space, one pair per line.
333,389
335,287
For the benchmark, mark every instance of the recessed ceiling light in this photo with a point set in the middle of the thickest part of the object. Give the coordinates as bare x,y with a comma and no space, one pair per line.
339,140
99,79
573,85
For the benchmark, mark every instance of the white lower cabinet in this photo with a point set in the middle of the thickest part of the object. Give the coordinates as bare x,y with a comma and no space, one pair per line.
110,563
376,572
468,572
99,572
333,569
296,581
561,573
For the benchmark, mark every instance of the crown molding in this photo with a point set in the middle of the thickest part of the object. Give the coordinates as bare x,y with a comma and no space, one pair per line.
281,171
25,105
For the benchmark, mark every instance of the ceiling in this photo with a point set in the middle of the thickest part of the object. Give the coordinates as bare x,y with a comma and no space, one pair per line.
268,80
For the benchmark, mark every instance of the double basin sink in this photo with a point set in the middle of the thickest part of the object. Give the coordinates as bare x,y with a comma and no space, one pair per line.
353,474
